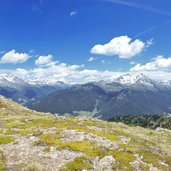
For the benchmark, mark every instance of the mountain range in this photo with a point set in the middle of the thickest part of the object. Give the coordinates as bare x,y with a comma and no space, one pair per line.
27,91
127,94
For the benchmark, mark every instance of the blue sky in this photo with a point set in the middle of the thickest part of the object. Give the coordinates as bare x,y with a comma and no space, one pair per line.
70,30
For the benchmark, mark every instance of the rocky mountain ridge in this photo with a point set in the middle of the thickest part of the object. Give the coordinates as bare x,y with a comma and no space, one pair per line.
26,91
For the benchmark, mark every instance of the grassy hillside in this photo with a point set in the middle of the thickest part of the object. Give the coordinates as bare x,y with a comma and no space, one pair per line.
35,141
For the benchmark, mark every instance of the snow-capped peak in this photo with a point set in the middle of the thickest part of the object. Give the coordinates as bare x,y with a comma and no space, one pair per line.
137,81
130,79
10,80
43,82
166,83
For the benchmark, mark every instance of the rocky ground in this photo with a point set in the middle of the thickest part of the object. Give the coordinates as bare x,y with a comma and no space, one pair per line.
35,141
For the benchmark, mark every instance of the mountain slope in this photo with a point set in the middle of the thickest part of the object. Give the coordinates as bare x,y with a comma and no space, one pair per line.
77,98
35,141
106,100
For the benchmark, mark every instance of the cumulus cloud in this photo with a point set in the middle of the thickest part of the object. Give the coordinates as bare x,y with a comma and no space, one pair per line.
57,71
158,63
91,59
73,13
122,46
80,76
14,57
43,60
49,69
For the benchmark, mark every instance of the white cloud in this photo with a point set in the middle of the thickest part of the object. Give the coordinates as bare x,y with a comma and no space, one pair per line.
91,59
122,46
158,63
102,61
43,60
73,13
132,62
32,51
14,57
51,70
149,43
80,76
76,74
57,71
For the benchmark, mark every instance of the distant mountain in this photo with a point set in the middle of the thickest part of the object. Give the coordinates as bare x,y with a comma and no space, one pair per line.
128,94
133,82
27,91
